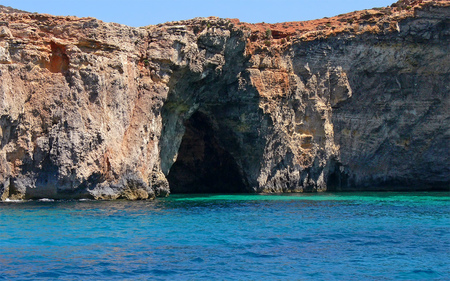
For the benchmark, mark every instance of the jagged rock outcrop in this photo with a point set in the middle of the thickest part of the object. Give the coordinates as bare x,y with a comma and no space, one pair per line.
101,110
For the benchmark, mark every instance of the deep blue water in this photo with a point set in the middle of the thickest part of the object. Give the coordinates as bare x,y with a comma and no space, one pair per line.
344,236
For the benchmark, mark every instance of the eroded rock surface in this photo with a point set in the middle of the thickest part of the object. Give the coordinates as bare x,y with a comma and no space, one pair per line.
105,111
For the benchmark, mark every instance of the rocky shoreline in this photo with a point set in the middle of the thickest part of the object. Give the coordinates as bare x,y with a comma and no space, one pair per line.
106,111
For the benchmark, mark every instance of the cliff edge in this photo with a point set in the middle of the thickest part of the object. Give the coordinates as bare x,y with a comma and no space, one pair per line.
105,111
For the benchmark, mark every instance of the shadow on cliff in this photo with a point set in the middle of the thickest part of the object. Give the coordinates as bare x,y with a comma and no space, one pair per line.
203,165
210,139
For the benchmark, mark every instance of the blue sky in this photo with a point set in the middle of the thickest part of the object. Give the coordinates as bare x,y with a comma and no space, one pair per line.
145,12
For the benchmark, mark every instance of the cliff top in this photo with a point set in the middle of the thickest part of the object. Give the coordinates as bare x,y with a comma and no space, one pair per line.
372,20
261,35
9,10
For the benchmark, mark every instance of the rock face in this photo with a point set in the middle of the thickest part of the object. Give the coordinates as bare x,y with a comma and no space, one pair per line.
105,111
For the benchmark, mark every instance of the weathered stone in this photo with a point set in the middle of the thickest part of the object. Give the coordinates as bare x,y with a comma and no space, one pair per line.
4,56
105,111
4,32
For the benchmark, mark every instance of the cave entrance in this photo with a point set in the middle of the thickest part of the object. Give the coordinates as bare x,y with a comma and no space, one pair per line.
202,165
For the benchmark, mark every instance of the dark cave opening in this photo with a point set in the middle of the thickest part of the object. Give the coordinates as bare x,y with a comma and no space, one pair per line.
202,165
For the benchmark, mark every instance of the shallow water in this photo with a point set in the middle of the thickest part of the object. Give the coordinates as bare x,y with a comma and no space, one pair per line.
343,236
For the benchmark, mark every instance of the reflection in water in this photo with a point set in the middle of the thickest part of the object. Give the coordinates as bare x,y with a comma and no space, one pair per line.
306,236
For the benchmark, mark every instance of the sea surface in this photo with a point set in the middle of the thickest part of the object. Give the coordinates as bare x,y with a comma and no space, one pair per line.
329,236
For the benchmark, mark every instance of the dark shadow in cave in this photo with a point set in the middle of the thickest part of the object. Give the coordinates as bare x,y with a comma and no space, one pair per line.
202,165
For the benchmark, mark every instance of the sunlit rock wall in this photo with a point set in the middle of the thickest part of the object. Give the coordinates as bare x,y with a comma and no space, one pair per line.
105,111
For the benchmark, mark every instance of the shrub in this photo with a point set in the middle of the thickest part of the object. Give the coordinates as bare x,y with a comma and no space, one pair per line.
268,33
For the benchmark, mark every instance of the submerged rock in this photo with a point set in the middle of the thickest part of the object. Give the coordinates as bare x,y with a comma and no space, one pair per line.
105,111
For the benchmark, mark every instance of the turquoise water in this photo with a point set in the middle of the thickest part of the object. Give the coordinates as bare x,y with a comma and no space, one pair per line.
344,236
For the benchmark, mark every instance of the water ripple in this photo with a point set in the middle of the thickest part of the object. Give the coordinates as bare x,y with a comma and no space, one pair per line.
356,236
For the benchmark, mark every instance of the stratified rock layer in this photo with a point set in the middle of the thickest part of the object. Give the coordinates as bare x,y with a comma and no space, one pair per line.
101,110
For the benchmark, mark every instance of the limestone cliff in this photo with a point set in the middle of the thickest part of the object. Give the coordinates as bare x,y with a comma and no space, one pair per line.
100,110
